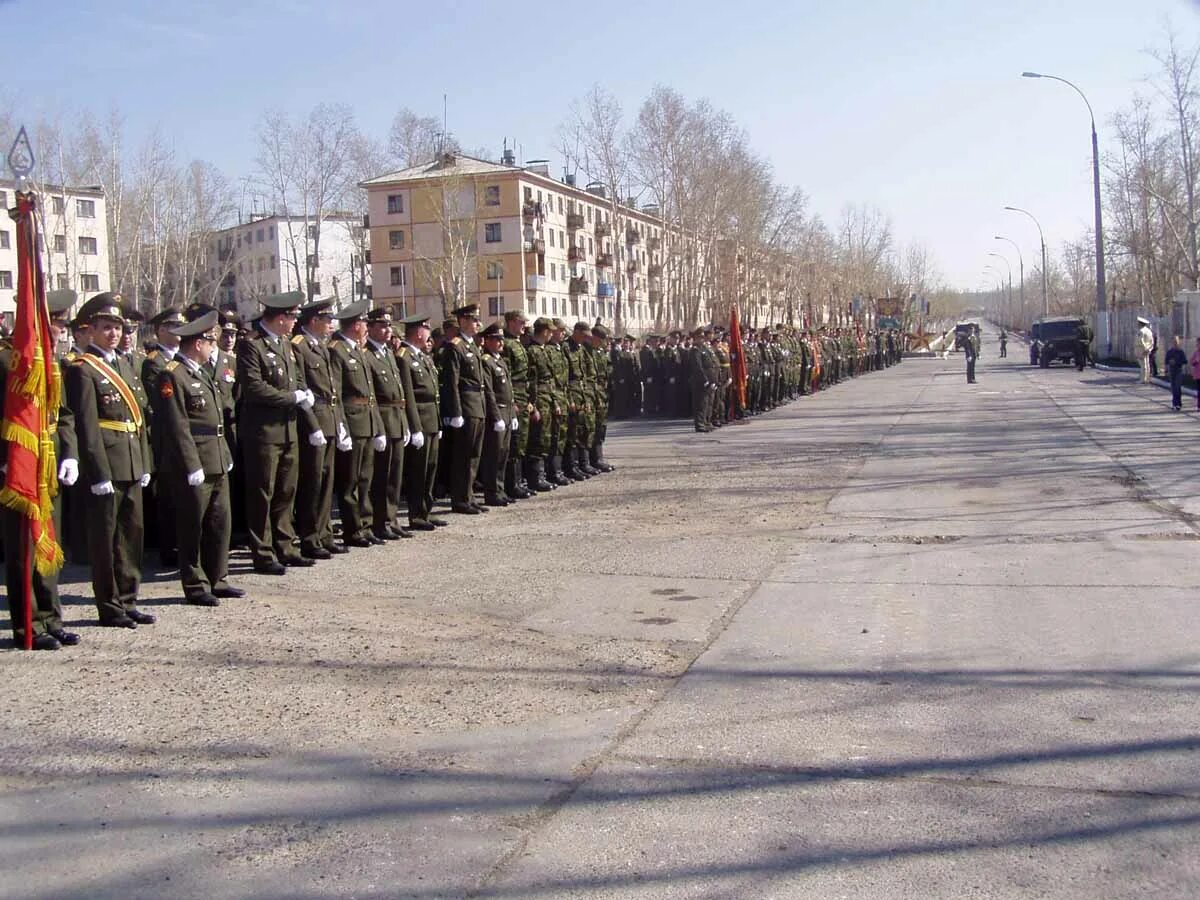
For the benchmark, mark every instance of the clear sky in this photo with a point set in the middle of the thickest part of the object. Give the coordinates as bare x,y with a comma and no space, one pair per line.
916,107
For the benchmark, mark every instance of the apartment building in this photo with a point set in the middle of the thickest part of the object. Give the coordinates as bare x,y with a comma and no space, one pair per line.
461,229
272,254
74,242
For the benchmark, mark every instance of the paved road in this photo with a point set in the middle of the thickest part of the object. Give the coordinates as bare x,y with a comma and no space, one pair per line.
905,638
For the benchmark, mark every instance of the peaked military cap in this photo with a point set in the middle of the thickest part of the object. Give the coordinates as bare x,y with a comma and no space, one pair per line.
380,316
514,315
416,320
310,311
102,306
196,309
205,325
559,323
354,312
447,324
599,330
493,331
170,317
581,326
58,302
541,323
1143,321
282,302
230,321
470,311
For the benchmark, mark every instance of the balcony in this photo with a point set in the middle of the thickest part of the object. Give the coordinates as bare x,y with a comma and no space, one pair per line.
632,236
633,295
578,286
633,266
367,260
602,229
576,254
656,296
224,255
535,282
603,260
574,221
531,211
654,270
653,243
537,245
604,289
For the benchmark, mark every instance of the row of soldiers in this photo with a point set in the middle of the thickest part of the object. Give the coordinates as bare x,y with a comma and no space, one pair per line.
677,375
306,407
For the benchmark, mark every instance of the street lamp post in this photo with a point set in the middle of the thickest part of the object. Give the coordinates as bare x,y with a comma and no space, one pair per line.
1021,263
995,273
1101,299
1008,265
1042,238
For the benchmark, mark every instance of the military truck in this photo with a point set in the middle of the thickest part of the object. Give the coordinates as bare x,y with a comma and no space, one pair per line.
1056,338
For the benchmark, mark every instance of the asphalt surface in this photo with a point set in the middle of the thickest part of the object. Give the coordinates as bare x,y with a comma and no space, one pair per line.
906,638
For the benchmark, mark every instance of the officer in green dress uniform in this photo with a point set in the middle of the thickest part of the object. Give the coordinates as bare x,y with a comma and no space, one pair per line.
393,396
463,408
195,462
421,459
322,428
354,464
48,631
273,395
500,418
158,503
114,457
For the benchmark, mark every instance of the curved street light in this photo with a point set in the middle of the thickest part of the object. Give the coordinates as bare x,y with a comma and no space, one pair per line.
1042,238
1101,301
1008,266
1021,262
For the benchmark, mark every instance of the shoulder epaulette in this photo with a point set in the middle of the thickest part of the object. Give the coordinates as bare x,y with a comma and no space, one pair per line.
402,352
456,340
70,356
153,354
298,339
173,365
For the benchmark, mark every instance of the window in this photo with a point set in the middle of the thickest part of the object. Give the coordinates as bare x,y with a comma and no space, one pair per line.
4,240
396,240
87,246
562,238
398,276
543,306
589,215
89,282
495,306
270,232
551,237
313,231
62,282
491,195
494,272
554,306
528,193
591,247
5,280
58,205
311,262
272,262
553,272
539,201
491,232
85,209
314,288
4,198
260,235
560,206
395,204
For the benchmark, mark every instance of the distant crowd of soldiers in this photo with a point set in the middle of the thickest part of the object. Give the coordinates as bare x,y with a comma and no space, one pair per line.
677,375
218,434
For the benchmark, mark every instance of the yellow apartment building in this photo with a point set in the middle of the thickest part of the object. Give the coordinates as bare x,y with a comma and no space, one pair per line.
464,230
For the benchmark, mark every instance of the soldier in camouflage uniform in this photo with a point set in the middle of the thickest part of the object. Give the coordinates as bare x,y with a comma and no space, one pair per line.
517,361
561,424
581,421
602,364
545,409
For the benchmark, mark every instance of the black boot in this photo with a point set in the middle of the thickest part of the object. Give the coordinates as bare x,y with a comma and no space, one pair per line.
556,473
570,466
581,457
512,481
535,475
598,462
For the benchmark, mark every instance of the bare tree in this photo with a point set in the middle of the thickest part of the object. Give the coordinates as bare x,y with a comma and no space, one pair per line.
415,140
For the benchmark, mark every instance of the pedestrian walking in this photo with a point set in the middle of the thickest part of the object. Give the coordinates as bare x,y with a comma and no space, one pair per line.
1195,362
1175,361
1145,348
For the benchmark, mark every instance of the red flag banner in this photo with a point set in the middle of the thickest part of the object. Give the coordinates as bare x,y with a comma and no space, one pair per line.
737,360
32,393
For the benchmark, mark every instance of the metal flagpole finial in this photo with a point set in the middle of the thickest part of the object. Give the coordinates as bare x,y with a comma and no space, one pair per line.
21,159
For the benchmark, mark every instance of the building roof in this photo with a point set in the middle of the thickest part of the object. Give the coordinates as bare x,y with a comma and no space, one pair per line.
462,165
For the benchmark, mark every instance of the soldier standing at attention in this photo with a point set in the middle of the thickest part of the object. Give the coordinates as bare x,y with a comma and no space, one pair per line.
114,456
560,427
542,402
603,364
516,360
421,459
392,398
273,394
580,397
166,346
971,353
48,631
501,418
196,462
463,409
323,428
353,467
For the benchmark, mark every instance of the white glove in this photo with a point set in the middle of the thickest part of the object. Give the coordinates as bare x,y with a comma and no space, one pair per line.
312,398
68,471
516,423
499,427
145,480
439,435
342,433
457,422
317,439
229,468
649,381
379,442
418,440
407,438
102,489
195,479
301,397
345,444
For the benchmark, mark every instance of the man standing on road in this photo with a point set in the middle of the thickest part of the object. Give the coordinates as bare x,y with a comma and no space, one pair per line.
1083,345
1003,343
463,409
971,352
1176,360
1144,347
